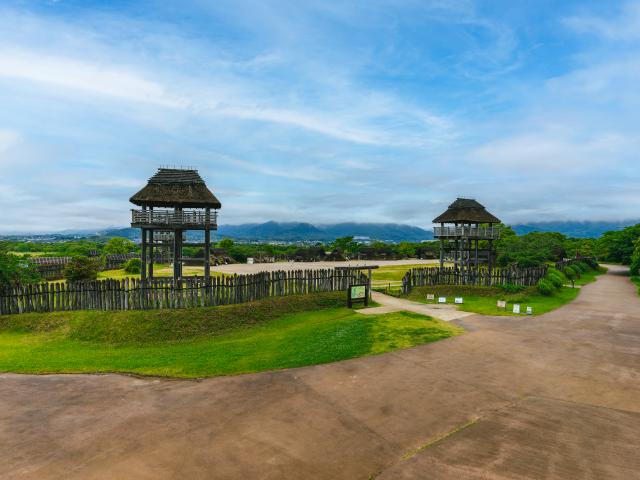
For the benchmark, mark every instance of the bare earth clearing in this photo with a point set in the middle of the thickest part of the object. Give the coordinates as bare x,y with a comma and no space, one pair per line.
243,268
551,397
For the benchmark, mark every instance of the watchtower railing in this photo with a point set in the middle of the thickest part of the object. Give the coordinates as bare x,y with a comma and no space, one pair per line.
466,231
174,218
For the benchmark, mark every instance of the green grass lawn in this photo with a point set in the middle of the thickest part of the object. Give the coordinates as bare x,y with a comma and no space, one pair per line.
636,280
590,276
208,341
394,272
484,299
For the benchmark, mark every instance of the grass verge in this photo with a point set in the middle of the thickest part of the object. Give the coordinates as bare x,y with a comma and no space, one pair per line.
636,280
268,335
484,299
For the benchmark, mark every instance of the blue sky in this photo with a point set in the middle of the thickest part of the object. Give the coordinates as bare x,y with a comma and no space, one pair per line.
371,111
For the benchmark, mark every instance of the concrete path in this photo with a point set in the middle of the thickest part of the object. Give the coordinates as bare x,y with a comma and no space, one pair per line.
389,304
550,397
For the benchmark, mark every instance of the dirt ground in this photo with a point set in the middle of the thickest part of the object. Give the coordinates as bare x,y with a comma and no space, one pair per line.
550,397
240,268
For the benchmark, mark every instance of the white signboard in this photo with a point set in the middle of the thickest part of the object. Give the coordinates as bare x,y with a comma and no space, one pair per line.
516,308
250,260
431,296
458,300
442,299
529,310
502,304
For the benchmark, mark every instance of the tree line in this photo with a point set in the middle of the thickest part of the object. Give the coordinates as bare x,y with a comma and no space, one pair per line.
524,251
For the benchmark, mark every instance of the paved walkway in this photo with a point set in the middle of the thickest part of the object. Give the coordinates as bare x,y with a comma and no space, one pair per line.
389,304
550,397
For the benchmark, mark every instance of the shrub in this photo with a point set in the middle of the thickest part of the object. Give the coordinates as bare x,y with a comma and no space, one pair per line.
582,266
81,269
571,272
14,269
133,266
592,263
545,287
635,262
512,288
556,278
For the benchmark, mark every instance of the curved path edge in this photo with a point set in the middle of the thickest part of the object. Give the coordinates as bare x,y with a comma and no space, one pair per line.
549,397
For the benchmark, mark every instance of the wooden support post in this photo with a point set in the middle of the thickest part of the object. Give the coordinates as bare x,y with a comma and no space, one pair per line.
143,269
441,247
151,252
207,254
176,254
477,264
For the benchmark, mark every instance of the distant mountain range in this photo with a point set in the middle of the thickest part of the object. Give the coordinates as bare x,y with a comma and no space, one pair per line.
301,231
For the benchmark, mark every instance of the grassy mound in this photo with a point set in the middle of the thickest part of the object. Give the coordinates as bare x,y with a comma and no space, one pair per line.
141,326
274,334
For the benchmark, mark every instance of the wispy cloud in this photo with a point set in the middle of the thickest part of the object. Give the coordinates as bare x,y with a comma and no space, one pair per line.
101,79
8,138
624,24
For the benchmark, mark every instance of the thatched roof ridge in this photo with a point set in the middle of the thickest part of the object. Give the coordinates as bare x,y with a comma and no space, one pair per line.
466,210
173,187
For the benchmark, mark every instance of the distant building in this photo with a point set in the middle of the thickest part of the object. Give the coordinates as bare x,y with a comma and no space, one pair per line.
362,240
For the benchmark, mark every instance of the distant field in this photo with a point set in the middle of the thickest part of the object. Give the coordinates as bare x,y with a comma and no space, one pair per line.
159,270
208,341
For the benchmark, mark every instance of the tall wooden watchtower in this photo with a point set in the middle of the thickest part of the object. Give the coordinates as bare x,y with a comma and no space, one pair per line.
173,202
463,227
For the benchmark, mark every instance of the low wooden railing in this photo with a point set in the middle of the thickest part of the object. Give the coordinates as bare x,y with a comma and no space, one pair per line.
421,277
174,218
486,233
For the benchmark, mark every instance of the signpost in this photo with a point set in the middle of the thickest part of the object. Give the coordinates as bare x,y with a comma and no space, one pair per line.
367,286
358,293
516,308
502,304
431,297
442,299
458,300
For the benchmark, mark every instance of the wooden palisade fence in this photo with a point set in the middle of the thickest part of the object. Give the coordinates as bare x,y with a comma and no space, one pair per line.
133,294
420,277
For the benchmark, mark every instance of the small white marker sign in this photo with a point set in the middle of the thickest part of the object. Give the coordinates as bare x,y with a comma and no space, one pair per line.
442,299
458,300
516,308
431,296
502,304
529,310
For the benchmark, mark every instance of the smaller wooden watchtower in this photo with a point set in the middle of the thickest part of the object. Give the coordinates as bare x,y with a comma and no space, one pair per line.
463,226
173,202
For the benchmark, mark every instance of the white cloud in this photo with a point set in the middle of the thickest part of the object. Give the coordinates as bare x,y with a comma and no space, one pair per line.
625,26
8,138
82,75
296,172
543,152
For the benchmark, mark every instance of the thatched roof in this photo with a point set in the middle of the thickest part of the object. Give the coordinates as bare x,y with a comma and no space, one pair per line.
171,187
466,210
